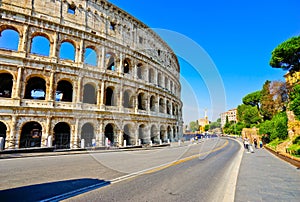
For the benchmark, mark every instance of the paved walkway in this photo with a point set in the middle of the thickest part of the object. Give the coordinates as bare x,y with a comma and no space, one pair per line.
265,177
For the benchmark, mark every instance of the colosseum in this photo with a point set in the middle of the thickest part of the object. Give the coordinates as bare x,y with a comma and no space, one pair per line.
81,73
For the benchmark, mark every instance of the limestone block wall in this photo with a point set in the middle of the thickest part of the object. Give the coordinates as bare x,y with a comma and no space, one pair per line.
84,70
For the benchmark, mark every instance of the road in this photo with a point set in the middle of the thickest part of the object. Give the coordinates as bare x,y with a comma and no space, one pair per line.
198,172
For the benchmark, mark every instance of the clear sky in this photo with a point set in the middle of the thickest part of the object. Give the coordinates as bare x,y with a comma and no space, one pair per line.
238,37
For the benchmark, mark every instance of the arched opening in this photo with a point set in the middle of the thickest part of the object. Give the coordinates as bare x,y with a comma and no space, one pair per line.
3,130
161,106
159,79
62,134
163,134
153,103
166,83
67,51
40,45
35,89
89,94
154,135
110,62
151,75
64,91
168,107
142,134
87,133
6,84
169,133
127,134
109,97
174,133
126,66
128,100
90,57
31,135
109,133
9,39
140,71
142,101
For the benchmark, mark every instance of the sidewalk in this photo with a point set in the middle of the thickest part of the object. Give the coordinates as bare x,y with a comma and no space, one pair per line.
265,177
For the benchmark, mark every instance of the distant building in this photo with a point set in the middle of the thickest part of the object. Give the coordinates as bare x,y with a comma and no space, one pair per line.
232,116
203,122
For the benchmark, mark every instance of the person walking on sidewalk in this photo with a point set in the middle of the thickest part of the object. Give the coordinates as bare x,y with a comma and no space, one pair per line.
255,143
260,144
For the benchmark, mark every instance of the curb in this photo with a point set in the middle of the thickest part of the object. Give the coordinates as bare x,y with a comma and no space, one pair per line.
290,160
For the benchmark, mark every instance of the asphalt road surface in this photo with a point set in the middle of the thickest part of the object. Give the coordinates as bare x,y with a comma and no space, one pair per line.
198,172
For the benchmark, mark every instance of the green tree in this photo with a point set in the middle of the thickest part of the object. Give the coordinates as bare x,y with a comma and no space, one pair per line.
267,104
248,115
295,100
206,128
287,55
194,126
252,99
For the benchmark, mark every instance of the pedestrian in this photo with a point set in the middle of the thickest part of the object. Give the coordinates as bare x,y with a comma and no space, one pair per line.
247,144
255,143
260,144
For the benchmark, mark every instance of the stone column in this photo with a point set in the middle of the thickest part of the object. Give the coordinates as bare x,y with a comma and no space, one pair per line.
53,48
121,97
102,106
17,84
45,135
102,64
79,52
50,89
22,47
11,140
74,140
99,96
135,71
121,64
78,94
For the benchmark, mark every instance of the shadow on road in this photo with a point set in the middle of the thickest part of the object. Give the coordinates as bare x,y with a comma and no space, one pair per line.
52,191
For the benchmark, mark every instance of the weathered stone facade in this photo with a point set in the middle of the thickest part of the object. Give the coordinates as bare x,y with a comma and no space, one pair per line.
130,92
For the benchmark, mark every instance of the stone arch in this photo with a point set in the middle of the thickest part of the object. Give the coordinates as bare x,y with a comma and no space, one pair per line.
162,133
31,135
89,94
151,75
40,44
90,56
9,37
159,79
169,133
153,103
3,130
67,50
6,84
127,66
168,105
128,99
154,134
128,134
142,134
140,71
110,61
64,91
142,101
62,135
109,97
161,105
88,134
109,133
35,88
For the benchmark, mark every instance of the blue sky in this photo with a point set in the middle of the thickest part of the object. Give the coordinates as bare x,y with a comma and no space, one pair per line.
237,35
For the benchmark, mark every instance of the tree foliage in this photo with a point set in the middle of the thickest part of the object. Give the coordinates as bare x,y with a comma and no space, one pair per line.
287,55
295,100
252,99
249,115
194,126
275,128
